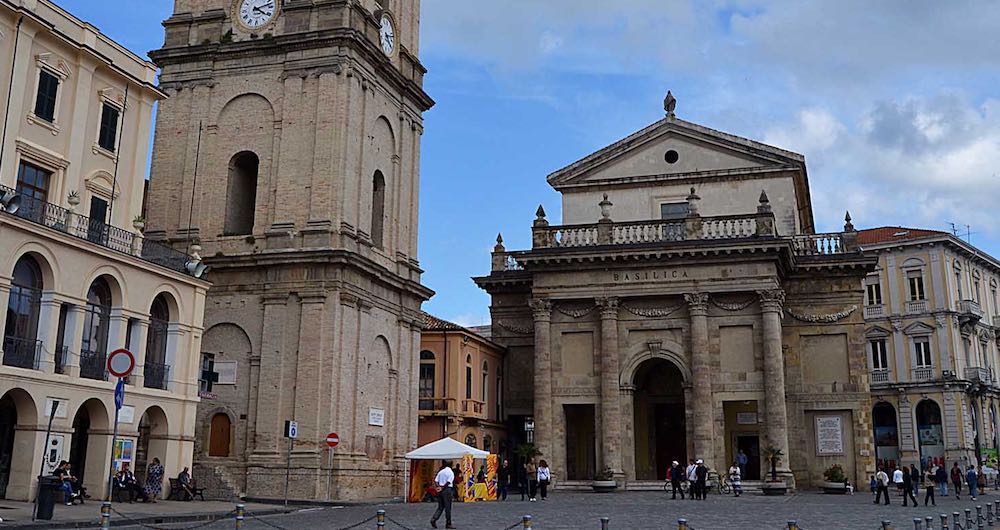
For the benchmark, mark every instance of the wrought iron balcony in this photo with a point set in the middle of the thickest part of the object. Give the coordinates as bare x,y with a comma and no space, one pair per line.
105,235
93,365
879,376
155,375
21,352
874,311
923,373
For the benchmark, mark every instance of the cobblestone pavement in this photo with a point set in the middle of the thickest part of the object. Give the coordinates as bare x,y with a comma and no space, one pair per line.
647,510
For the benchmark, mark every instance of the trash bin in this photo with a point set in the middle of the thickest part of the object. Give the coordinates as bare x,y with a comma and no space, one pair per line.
49,489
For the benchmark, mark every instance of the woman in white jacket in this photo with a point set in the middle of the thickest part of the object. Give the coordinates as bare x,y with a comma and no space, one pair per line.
544,477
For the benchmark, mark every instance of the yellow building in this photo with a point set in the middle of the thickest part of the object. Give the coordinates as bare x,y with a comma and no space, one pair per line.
931,315
461,377
76,275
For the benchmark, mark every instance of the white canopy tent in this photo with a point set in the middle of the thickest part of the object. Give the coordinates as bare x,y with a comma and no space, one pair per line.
446,449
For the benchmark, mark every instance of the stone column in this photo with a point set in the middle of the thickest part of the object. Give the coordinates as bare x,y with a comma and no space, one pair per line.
702,380
48,331
627,397
542,310
776,416
611,438
140,333
74,338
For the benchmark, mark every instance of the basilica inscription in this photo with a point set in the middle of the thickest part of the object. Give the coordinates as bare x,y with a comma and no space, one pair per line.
649,276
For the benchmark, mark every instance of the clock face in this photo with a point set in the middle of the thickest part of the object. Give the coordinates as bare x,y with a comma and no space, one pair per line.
255,14
387,36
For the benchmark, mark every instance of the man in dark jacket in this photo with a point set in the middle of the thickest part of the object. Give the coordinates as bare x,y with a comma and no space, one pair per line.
941,477
503,479
908,489
915,477
676,477
702,473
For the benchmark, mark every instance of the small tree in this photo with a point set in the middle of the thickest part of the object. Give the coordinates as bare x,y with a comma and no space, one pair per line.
834,473
773,455
527,451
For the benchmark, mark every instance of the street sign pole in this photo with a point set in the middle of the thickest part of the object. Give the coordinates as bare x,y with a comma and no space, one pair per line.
119,399
288,471
329,473
45,452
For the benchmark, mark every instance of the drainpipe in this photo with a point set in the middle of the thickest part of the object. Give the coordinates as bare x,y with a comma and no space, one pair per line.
10,88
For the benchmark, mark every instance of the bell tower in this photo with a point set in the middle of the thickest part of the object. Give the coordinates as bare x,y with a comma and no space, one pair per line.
288,150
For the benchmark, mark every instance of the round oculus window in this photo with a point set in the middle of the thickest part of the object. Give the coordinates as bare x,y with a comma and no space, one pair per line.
671,156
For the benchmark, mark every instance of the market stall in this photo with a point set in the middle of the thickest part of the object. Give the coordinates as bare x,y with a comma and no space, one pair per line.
472,483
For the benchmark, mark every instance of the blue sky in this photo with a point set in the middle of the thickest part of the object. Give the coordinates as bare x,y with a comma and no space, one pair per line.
895,105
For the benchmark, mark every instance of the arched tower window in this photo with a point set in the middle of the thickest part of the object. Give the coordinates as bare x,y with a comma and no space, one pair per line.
468,377
19,340
427,376
241,196
378,208
155,369
96,324
486,385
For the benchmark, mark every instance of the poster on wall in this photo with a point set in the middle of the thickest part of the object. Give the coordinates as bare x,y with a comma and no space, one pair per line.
931,441
829,435
376,417
123,452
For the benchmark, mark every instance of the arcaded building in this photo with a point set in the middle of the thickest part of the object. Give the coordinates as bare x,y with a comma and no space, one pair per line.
78,279
289,147
685,308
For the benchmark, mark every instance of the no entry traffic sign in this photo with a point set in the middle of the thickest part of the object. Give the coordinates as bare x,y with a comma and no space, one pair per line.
121,363
332,440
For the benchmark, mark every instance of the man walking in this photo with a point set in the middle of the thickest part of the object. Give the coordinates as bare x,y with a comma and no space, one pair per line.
897,479
741,461
676,477
692,478
956,479
941,477
701,473
908,489
972,480
445,483
503,479
929,496
882,480
915,478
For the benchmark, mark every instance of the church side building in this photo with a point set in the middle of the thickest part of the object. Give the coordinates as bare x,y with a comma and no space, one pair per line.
685,309
289,147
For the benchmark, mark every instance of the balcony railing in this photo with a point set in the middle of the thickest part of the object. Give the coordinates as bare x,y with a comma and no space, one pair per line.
978,374
21,352
916,306
970,307
879,376
435,404
996,321
93,365
62,359
155,375
923,373
819,244
105,235
874,311
473,407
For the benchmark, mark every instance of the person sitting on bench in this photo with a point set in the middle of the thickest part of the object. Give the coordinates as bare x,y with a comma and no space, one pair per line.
127,482
184,479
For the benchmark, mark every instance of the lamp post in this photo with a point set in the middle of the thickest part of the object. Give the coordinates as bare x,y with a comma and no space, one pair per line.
529,429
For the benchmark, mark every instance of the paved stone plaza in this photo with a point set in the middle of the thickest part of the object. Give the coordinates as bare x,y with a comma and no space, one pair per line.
565,511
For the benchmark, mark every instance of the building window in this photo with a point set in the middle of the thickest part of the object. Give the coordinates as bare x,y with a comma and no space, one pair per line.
486,385
922,347
241,199
378,208
993,297
33,182
96,324
20,344
499,398
426,384
470,440
880,358
874,293
45,100
468,377
673,210
208,374
975,291
107,138
958,283
487,443
984,348
916,283
155,368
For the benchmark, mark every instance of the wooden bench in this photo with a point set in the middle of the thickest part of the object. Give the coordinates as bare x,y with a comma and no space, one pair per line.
177,492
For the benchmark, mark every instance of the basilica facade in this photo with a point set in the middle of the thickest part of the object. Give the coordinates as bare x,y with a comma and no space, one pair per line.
685,308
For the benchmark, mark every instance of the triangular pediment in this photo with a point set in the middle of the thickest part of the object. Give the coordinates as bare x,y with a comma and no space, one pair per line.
672,147
918,328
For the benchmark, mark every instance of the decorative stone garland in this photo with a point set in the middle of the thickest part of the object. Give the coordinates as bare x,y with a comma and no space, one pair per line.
652,312
824,319
514,328
733,306
575,313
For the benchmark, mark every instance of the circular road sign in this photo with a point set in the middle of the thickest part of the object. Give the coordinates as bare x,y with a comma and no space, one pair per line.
121,363
332,440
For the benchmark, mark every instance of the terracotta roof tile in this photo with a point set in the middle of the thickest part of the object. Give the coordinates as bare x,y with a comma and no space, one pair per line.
887,234
432,322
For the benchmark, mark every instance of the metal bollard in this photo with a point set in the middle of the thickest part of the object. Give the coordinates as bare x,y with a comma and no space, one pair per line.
979,518
793,525
105,515
526,521
968,519
380,519
682,524
989,514
944,521
241,513
918,523
604,522
956,519
886,525
930,523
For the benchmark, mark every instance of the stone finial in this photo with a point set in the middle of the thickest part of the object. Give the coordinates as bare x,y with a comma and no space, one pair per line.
848,226
499,246
605,209
764,205
669,104
540,217
692,200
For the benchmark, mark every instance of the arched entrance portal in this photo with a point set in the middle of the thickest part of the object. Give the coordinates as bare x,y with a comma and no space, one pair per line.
886,435
89,452
16,465
930,434
152,442
660,430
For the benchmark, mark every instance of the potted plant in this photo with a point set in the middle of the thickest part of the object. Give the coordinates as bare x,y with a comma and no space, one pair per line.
139,223
834,480
604,481
773,485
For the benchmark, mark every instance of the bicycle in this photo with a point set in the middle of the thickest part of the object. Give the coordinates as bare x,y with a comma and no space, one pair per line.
724,487
685,487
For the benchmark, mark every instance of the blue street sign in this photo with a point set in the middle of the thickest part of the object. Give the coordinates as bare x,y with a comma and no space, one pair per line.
119,393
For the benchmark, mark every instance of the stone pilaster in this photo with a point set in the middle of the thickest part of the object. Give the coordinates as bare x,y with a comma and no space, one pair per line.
627,396
776,416
542,311
271,389
611,440
702,379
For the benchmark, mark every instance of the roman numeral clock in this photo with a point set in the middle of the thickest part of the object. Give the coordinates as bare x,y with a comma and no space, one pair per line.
254,15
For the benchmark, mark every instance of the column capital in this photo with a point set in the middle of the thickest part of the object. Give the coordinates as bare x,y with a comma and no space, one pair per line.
608,305
626,390
541,308
697,303
771,300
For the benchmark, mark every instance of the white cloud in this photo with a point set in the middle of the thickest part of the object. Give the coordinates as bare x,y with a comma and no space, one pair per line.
469,320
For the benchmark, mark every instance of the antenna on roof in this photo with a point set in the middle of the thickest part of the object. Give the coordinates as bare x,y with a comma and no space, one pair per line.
956,230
